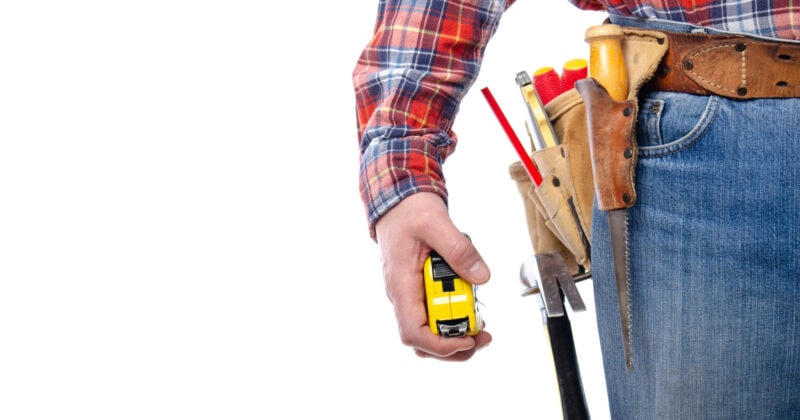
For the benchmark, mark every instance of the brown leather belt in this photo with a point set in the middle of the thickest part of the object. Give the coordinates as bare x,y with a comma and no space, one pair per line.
731,66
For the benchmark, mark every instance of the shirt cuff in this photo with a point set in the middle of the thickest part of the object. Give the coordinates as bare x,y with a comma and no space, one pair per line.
394,169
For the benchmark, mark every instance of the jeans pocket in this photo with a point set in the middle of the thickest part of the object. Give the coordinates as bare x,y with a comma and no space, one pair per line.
669,122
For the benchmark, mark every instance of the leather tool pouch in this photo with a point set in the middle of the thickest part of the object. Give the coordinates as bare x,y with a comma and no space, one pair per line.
566,176
570,180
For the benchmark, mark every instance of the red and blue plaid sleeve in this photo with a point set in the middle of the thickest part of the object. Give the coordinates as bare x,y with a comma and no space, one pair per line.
409,81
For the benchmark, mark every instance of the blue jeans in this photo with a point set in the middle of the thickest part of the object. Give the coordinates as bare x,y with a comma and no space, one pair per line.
714,263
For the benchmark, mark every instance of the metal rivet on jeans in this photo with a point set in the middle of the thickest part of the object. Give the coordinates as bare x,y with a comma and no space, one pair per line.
655,108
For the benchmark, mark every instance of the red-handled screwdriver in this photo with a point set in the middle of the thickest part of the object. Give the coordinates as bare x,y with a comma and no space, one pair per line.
573,71
547,84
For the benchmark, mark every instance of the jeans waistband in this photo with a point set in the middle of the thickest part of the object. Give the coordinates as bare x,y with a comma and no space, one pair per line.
681,27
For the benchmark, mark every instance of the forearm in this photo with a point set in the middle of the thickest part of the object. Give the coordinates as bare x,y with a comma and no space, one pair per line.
409,82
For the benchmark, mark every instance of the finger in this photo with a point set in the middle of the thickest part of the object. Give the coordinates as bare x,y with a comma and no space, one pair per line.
415,332
480,341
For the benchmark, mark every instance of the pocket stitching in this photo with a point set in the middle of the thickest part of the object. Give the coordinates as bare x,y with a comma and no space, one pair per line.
692,137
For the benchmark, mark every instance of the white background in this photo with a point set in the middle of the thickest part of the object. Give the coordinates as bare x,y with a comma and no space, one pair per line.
181,235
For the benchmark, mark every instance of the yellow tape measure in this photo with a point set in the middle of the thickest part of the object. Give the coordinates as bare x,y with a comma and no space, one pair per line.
451,300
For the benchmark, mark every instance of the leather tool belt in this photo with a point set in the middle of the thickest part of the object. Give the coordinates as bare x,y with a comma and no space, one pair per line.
736,67
731,66
566,169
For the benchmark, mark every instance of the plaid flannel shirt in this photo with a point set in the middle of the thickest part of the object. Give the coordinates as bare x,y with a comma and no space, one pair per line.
425,55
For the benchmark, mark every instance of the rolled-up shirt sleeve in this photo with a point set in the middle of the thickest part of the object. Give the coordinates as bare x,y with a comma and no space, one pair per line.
409,82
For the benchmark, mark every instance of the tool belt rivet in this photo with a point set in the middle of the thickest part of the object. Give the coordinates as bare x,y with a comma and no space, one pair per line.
741,91
740,47
628,153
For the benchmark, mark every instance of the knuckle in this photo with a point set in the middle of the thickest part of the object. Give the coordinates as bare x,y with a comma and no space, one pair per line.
460,251
421,224
407,339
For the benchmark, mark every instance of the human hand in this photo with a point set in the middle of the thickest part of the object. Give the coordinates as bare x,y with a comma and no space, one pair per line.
406,235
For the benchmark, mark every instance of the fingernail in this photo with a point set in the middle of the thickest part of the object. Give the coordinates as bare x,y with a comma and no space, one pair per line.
479,271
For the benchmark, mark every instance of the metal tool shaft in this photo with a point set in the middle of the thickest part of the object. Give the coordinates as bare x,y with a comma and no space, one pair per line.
617,220
544,274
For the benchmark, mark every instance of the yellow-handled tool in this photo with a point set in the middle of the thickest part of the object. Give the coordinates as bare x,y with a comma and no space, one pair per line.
606,62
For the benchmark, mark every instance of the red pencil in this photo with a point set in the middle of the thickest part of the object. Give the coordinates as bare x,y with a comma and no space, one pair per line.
530,167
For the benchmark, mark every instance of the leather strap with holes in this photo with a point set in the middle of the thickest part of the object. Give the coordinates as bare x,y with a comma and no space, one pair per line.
731,66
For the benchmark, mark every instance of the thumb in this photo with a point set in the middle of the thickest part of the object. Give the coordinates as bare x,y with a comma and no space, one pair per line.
462,256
